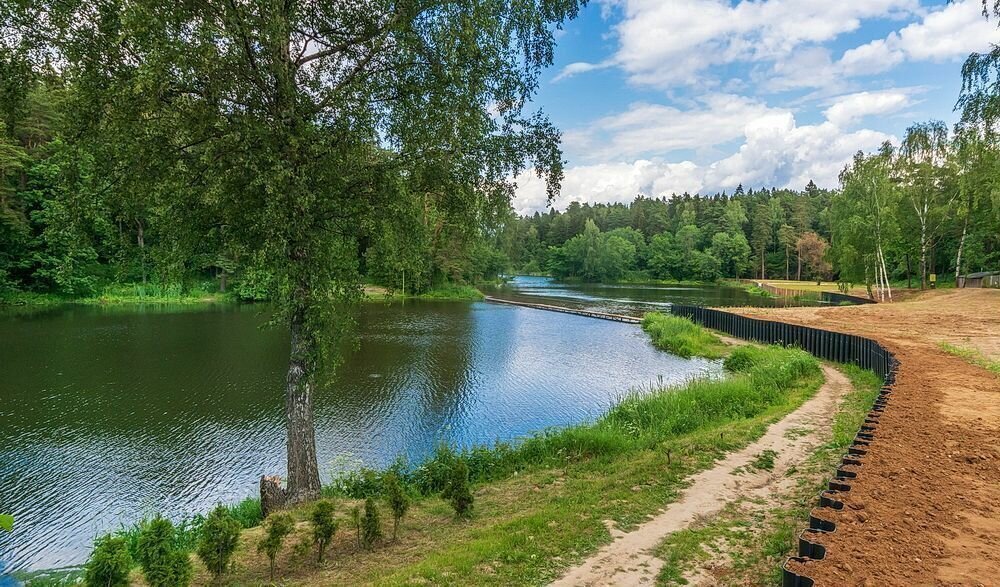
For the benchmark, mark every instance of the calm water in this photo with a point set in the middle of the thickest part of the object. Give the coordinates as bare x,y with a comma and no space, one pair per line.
631,299
110,414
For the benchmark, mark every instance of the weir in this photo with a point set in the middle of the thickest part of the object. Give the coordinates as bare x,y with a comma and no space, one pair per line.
564,310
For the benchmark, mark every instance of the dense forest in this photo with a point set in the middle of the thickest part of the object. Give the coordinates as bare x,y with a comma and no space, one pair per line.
77,215
679,238
69,228
927,206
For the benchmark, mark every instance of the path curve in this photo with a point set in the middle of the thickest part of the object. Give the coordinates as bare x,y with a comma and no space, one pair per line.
628,559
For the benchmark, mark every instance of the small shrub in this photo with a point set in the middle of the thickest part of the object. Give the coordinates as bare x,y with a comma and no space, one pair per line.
458,492
163,564
371,526
399,501
276,529
109,564
324,526
220,535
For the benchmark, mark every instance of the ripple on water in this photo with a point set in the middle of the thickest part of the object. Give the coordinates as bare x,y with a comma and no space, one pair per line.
111,416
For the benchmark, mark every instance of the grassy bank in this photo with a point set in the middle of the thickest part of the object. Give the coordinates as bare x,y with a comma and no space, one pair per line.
540,505
973,356
754,542
682,337
446,292
126,293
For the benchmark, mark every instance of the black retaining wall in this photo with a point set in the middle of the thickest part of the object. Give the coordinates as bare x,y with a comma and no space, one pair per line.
832,346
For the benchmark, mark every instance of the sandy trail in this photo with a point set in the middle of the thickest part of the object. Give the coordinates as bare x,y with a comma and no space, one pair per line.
628,559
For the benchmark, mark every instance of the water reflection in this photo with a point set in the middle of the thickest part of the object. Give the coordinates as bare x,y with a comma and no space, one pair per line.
633,299
110,414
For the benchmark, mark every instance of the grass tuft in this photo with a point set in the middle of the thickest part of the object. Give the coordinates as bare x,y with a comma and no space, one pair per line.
682,337
971,356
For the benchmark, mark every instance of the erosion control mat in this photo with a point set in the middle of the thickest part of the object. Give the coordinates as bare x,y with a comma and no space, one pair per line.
924,508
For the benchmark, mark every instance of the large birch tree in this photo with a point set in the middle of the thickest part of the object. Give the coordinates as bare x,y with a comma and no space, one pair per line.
292,123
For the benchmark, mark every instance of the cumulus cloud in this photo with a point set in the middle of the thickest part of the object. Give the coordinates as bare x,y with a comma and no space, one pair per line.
776,152
667,43
847,110
951,32
646,129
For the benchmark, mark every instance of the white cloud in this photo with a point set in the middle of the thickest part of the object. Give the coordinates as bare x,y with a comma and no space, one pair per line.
667,43
952,32
654,128
849,109
579,67
775,152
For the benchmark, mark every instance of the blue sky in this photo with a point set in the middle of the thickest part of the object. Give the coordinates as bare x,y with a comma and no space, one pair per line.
666,96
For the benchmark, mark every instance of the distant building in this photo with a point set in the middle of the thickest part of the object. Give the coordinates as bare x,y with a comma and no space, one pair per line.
980,279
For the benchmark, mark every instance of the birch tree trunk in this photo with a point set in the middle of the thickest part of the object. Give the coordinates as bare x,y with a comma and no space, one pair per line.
961,244
303,470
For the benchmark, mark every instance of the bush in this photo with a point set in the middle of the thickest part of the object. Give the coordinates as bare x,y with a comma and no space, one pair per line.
163,564
324,526
277,528
371,526
682,337
220,534
458,492
109,564
399,501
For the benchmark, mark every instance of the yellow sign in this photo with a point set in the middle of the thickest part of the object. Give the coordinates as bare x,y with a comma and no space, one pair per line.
933,277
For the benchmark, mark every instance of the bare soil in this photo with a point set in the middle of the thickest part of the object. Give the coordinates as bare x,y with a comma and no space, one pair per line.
628,559
925,508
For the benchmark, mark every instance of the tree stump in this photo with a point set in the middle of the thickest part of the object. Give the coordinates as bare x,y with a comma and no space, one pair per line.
272,496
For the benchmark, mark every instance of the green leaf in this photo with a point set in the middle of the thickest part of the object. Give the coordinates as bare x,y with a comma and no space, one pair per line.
7,522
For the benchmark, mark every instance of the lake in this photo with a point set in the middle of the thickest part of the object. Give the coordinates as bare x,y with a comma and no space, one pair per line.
110,414
633,299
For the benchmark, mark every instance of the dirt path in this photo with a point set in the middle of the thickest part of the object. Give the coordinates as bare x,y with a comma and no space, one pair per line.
924,510
628,559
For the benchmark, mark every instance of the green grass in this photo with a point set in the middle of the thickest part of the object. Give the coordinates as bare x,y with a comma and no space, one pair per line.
451,292
446,292
971,355
760,541
682,337
125,293
188,530
756,290
541,503
761,378
155,293
765,460
28,298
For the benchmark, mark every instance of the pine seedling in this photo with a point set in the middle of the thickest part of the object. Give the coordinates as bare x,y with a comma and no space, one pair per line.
399,501
371,525
324,526
277,528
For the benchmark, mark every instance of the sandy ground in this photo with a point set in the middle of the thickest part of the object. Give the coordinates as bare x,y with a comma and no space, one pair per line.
628,559
925,509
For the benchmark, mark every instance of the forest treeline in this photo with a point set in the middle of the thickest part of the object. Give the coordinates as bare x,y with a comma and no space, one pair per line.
684,238
68,227
928,206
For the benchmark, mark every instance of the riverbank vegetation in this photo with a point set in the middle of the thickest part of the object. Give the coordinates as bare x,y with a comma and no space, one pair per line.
518,513
682,337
